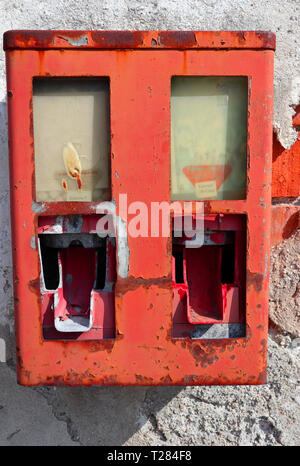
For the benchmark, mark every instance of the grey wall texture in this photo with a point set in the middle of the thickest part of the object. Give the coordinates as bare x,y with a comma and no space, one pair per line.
264,415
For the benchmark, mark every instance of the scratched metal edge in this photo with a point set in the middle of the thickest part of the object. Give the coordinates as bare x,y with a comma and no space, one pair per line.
193,380
52,39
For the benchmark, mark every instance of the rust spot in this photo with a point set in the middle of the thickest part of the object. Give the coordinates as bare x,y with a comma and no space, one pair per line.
133,39
241,36
27,374
33,190
132,283
109,380
118,39
18,358
267,38
264,347
158,348
71,34
177,39
262,378
141,379
71,378
57,380
104,345
26,38
255,279
167,379
201,356
191,379
291,225
34,286
31,118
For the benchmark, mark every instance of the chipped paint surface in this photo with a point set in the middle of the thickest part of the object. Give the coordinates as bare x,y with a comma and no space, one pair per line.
121,235
76,41
143,290
37,207
32,242
140,39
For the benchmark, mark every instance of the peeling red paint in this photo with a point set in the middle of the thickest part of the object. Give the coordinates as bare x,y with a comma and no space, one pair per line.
285,221
131,283
118,39
34,286
138,39
286,169
256,280
96,346
29,38
166,380
177,39
142,380
144,351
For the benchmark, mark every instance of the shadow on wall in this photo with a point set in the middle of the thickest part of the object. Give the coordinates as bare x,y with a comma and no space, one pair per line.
94,415
109,415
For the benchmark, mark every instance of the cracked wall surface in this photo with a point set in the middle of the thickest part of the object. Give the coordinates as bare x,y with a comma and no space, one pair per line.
264,415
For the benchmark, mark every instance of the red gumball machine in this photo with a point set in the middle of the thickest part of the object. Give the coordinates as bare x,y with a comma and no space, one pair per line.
161,117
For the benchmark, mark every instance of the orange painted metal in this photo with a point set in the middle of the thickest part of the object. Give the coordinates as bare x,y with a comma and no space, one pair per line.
286,165
285,221
139,40
296,117
143,351
286,186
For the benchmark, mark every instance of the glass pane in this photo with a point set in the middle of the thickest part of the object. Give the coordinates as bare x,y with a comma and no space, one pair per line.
208,137
71,139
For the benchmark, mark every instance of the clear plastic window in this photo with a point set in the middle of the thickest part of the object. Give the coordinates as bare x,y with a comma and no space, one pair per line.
71,139
208,137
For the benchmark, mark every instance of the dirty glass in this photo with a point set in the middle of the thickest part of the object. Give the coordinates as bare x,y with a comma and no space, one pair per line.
208,137
71,139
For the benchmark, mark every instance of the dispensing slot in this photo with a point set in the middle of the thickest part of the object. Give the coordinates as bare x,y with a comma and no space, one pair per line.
227,264
178,258
73,266
203,279
209,280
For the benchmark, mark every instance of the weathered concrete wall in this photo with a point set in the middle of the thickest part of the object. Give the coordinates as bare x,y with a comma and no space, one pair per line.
267,415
